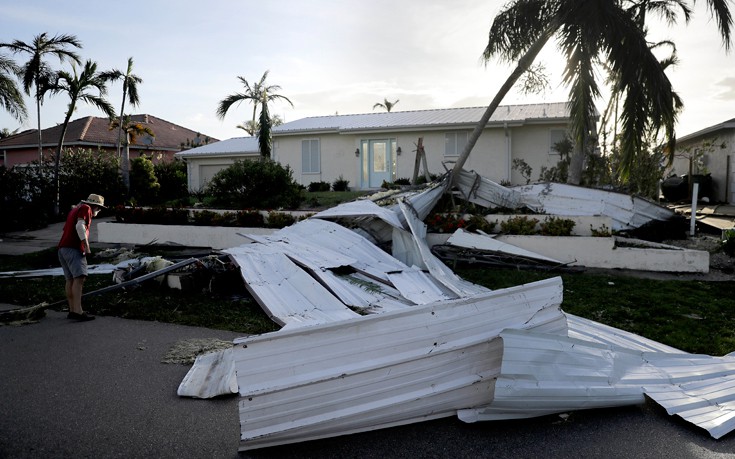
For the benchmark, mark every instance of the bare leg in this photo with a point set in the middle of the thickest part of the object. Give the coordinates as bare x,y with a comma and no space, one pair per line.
69,297
75,299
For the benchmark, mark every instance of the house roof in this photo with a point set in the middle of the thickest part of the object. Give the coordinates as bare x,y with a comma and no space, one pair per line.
95,131
246,145
427,119
729,124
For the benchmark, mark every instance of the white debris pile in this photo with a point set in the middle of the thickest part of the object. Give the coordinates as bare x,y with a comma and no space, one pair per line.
373,340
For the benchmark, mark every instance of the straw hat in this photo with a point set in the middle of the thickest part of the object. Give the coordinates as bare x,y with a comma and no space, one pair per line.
95,200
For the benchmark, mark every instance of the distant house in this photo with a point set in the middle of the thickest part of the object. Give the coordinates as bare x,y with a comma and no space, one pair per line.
95,133
369,149
205,161
718,159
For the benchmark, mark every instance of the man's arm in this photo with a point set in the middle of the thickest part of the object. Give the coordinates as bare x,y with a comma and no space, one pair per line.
81,228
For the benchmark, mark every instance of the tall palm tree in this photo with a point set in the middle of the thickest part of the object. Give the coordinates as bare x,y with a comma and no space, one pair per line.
130,93
386,104
37,72
11,99
87,86
259,94
589,31
132,132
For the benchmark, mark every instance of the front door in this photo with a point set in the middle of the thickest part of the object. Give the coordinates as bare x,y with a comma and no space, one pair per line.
377,163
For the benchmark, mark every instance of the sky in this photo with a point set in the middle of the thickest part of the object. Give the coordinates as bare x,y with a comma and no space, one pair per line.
328,56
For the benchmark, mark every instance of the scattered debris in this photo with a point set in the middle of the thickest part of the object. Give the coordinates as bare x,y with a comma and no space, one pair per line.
433,345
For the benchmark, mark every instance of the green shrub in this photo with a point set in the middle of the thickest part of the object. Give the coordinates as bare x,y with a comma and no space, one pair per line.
279,220
602,231
479,223
144,186
555,226
402,181
171,175
318,186
444,223
249,219
341,184
84,171
255,184
519,225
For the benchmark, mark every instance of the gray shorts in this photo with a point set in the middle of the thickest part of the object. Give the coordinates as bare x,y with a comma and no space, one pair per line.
73,262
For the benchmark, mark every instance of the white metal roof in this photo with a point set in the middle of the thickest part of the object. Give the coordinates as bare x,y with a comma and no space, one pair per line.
241,145
427,119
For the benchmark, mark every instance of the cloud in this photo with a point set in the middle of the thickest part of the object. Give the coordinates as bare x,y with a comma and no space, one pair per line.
728,93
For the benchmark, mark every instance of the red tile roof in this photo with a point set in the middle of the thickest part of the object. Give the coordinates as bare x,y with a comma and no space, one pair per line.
96,131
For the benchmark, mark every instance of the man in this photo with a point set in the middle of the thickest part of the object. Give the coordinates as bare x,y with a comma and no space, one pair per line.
73,249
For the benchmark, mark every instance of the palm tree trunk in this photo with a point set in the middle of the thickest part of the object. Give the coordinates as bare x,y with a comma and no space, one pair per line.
38,117
125,162
57,160
523,64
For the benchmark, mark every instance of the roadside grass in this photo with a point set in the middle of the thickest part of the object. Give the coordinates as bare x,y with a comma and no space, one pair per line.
693,316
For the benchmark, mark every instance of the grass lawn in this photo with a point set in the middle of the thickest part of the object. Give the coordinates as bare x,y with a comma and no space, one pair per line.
694,316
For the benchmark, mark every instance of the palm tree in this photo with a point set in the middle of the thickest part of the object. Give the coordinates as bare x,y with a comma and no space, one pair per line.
251,128
36,72
387,105
132,132
130,93
11,99
589,31
259,94
80,87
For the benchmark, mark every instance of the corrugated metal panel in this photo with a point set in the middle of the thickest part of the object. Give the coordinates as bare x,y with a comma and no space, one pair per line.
626,212
461,238
484,192
382,370
438,270
426,118
543,374
286,292
212,375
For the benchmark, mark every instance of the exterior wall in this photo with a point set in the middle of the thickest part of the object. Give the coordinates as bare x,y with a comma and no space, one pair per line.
490,157
716,163
200,170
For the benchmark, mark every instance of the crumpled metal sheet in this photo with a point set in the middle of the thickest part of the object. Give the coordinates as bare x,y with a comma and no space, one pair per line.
544,374
382,370
626,211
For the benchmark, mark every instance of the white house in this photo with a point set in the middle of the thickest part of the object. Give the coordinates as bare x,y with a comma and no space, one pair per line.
713,152
205,161
368,149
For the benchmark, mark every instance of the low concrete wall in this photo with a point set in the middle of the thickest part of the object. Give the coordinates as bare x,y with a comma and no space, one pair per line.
593,252
604,252
215,237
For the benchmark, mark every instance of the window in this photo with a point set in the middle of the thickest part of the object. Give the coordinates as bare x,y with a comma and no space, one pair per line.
310,157
556,136
454,143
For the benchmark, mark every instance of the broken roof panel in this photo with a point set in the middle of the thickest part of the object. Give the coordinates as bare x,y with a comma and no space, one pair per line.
381,370
544,374
288,294
627,212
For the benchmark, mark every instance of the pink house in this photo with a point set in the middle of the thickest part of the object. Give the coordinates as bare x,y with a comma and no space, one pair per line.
95,133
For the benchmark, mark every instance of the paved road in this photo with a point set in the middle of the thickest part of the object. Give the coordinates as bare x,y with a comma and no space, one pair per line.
99,389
